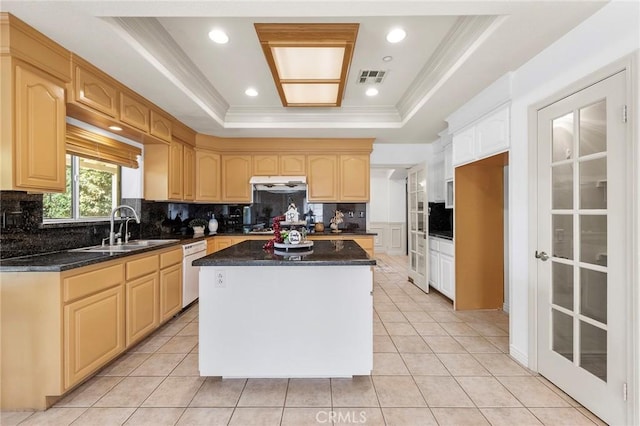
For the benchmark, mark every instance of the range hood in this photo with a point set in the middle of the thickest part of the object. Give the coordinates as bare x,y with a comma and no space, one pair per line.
279,183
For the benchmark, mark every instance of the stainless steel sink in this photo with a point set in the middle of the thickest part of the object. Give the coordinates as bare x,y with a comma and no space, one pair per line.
121,248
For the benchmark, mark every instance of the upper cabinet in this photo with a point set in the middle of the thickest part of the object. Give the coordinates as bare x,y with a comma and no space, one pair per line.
265,165
354,178
176,164
189,173
169,172
322,178
134,112
160,126
293,165
236,173
485,138
94,91
448,162
207,176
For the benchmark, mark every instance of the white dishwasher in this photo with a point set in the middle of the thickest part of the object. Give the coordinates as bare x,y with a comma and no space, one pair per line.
190,273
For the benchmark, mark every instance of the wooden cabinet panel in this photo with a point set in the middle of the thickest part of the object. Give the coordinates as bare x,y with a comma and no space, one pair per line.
94,333
160,126
96,279
222,243
95,92
207,176
134,113
39,132
265,165
236,172
189,173
172,257
354,178
143,266
322,175
142,306
293,165
176,163
170,291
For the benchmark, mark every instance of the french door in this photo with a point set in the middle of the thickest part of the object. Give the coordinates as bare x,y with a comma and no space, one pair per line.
583,247
418,226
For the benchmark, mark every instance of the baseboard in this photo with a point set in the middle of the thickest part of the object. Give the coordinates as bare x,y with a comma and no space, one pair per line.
521,357
505,307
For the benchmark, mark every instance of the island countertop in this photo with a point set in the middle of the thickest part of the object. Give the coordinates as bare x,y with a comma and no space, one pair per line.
323,253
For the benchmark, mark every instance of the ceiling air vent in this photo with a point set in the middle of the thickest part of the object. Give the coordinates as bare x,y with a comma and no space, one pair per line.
371,76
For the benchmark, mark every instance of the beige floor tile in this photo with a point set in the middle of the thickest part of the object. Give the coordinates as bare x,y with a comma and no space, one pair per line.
500,342
393,316
264,393
572,402
459,417
171,329
155,417
355,392
531,392
87,394
477,344
463,365
501,365
130,392
190,329
205,417
104,416
174,392
379,330
487,329
54,417
256,417
409,307
383,344
588,414
158,365
424,364
400,329
187,367
561,417
410,344
178,345
151,344
218,392
487,392
458,329
296,416
431,307
194,350
510,417
444,344
124,365
408,416
369,416
385,307
445,316
12,418
442,392
389,364
309,393
419,316
429,329
398,391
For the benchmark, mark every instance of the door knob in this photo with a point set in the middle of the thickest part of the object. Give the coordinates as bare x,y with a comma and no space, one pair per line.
542,256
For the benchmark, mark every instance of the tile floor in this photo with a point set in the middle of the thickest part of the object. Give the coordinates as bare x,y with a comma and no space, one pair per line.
432,366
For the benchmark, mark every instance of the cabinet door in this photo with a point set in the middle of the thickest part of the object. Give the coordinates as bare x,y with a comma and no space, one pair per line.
142,307
434,279
222,243
236,172
189,175
39,132
207,176
265,165
293,165
354,178
160,126
448,162
322,173
464,146
170,291
447,279
94,333
492,133
176,163
95,92
134,112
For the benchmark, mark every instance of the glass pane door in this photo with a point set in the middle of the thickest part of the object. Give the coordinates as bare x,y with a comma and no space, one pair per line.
418,226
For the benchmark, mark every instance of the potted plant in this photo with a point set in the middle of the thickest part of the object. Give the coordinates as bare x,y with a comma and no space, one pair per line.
198,225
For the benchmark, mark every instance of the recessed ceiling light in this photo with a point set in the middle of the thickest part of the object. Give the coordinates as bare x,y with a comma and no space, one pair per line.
251,92
371,91
115,128
219,36
396,35
387,58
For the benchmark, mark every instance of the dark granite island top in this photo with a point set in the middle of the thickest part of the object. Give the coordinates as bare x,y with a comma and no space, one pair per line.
323,253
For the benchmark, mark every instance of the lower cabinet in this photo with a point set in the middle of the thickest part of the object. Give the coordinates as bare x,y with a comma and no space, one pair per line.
442,266
143,307
170,291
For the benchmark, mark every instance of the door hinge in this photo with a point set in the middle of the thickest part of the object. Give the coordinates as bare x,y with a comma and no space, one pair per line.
624,391
624,113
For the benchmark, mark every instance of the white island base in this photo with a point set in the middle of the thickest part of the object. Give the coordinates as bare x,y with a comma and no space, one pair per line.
286,321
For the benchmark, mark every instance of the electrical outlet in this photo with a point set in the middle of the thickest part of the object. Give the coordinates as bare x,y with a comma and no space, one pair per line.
221,280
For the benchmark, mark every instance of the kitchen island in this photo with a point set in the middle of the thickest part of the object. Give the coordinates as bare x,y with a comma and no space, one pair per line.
297,314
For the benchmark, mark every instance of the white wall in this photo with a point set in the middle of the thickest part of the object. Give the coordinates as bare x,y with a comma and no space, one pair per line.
387,211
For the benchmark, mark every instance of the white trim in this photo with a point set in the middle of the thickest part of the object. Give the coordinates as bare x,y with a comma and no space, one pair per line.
518,356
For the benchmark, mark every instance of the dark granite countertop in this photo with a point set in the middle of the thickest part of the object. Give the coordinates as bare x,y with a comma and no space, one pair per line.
323,253
447,235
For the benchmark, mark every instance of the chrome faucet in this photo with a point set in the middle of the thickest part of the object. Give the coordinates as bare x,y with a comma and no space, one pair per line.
112,234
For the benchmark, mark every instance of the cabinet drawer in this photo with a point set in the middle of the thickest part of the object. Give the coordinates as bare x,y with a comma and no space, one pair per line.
92,281
446,247
144,266
170,258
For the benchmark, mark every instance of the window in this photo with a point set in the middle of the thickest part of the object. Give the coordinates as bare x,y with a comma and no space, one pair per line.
93,190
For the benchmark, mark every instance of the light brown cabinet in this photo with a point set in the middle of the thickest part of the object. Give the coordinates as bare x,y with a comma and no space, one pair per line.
236,172
207,176
95,92
189,173
293,165
170,291
160,126
354,178
322,178
142,297
133,112
169,172
265,165
176,163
